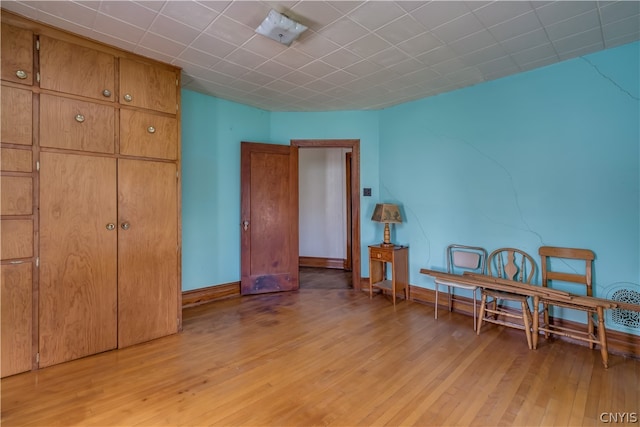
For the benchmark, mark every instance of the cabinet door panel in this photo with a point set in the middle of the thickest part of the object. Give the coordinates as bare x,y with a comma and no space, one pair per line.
76,125
16,312
78,271
71,68
17,195
17,55
17,117
148,135
17,238
147,86
147,251
14,160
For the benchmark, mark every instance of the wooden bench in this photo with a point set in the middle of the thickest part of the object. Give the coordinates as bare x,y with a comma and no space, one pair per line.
551,296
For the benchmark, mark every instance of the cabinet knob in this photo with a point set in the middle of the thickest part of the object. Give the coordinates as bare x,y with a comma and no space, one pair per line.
128,97
106,93
111,226
21,74
125,225
79,118
151,129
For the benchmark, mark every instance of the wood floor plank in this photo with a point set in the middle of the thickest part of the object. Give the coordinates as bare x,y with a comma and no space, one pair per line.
325,356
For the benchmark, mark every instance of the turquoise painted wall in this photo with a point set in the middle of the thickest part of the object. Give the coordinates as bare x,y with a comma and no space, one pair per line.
362,125
546,157
212,130
550,156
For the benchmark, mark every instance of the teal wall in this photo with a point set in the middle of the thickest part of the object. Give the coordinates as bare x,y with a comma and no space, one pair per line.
550,156
546,157
212,130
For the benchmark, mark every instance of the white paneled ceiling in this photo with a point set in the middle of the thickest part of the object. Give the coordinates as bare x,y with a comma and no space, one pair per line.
356,55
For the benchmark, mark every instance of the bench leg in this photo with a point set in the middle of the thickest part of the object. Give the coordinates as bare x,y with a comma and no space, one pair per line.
483,301
526,319
536,321
602,334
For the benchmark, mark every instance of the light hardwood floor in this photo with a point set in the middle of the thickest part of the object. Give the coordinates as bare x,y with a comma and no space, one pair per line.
327,357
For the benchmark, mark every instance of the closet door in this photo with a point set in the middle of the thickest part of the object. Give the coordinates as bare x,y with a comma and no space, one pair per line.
78,244
70,68
147,251
16,61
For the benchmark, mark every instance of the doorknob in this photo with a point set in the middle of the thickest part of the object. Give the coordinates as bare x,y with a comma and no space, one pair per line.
245,225
125,225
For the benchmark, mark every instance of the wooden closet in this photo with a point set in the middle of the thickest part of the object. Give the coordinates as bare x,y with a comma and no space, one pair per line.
90,197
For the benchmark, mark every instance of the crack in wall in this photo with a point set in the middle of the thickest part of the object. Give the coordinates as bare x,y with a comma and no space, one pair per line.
613,82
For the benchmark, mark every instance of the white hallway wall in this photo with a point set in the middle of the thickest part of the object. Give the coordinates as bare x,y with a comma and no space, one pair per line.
322,202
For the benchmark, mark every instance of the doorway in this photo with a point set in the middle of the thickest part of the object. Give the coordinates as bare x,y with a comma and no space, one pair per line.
353,204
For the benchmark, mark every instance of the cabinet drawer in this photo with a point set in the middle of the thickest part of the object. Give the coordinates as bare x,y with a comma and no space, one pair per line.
17,55
76,125
17,195
75,69
148,135
14,160
17,238
148,86
381,254
17,116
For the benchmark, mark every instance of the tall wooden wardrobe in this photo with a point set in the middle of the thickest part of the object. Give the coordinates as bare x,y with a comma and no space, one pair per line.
90,209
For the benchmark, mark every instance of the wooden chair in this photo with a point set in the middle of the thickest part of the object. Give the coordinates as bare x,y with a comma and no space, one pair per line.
511,264
551,256
461,259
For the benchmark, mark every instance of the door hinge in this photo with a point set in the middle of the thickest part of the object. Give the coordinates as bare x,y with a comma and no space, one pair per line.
37,262
37,44
38,165
37,357
38,76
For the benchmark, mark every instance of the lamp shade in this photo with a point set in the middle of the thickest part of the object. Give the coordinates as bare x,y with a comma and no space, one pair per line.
386,212
280,28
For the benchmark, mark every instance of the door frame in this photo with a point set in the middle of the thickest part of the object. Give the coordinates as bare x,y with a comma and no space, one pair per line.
354,145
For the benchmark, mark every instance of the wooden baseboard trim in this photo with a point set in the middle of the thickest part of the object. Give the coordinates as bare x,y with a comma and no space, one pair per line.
618,342
336,263
209,294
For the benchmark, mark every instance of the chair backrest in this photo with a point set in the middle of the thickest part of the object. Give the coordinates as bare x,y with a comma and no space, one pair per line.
511,264
461,258
549,252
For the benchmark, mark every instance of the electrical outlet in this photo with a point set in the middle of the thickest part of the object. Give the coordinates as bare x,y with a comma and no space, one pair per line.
366,192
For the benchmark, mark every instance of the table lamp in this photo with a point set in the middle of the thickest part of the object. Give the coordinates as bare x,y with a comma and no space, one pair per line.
387,213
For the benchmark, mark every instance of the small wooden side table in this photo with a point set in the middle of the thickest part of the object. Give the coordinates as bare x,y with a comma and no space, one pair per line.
397,257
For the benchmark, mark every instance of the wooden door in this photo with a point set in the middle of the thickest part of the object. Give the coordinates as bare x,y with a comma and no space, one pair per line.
147,251
148,86
148,135
76,125
269,218
17,115
78,244
16,61
16,313
70,68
